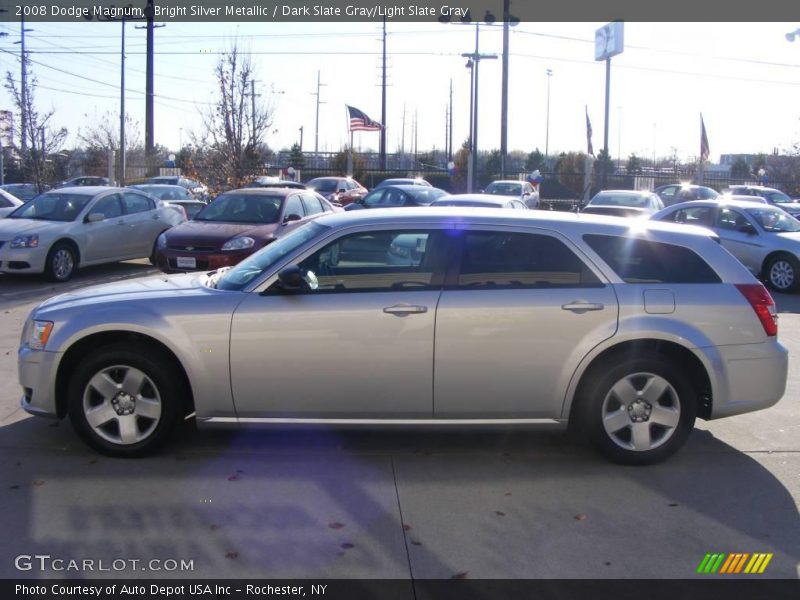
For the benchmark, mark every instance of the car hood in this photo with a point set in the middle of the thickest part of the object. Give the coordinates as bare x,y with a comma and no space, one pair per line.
205,233
148,288
12,227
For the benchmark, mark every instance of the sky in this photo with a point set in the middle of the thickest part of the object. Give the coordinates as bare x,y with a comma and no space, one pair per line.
743,77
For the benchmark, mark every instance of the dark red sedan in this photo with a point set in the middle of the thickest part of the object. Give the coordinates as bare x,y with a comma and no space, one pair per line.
235,225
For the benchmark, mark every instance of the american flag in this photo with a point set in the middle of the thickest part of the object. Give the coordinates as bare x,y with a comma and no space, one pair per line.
359,121
589,146
704,149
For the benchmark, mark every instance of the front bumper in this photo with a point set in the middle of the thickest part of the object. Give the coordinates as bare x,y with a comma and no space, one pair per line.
167,260
21,260
37,376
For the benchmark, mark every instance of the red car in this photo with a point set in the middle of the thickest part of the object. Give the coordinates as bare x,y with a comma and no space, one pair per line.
343,190
235,225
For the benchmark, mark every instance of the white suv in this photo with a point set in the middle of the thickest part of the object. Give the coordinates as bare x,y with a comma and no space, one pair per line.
454,317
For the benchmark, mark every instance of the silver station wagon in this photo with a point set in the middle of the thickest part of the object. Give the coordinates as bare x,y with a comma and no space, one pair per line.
628,331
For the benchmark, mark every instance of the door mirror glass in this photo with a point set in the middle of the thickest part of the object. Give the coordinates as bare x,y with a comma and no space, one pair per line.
294,278
95,218
291,217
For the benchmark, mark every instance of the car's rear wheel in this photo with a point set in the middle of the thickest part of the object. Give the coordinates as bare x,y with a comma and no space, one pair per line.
783,273
638,411
124,399
61,263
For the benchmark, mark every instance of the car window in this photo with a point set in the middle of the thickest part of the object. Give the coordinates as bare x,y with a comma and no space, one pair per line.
668,192
774,220
4,203
645,261
393,197
695,215
294,207
497,260
377,261
109,207
374,198
312,204
707,194
730,220
136,203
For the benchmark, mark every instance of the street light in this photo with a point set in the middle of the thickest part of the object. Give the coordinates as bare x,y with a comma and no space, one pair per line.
547,125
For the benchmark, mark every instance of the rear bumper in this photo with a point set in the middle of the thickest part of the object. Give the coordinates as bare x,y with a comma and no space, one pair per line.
753,378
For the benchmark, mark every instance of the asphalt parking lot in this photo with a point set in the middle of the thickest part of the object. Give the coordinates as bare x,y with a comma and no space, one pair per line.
391,504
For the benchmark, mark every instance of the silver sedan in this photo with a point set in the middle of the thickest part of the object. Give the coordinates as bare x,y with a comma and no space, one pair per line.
764,238
63,229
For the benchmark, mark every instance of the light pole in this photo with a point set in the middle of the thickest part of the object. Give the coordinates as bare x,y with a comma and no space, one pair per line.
476,58
547,124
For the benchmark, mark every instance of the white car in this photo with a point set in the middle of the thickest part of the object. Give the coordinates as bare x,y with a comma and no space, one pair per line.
8,203
67,228
521,190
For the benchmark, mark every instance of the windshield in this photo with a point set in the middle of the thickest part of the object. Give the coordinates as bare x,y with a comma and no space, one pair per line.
776,197
619,200
164,193
255,264
242,208
504,189
52,207
322,185
423,195
774,220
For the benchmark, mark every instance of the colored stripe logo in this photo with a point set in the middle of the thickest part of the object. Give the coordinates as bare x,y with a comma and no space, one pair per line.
734,563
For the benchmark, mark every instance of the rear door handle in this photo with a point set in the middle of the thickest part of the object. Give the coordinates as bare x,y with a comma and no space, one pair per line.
581,307
401,310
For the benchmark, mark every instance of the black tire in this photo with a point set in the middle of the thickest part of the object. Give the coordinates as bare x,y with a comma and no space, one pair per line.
153,258
61,263
782,273
658,417
143,398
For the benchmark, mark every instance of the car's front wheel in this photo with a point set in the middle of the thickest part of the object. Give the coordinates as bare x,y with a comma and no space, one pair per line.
782,273
61,263
639,410
124,399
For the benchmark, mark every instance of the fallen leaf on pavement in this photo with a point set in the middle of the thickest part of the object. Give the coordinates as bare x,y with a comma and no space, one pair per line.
462,575
581,517
38,482
232,555
348,545
335,525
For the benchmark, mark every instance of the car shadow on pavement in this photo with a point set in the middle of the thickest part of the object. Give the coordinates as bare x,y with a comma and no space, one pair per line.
787,303
389,504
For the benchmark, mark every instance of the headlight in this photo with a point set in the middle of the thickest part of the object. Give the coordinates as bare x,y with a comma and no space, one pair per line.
162,241
239,243
25,241
38,334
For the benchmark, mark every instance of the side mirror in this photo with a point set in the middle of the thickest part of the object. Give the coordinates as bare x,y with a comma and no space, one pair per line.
293,278
95,218
341,190
291,217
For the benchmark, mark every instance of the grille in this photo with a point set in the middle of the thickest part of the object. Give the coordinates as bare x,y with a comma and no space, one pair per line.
190,248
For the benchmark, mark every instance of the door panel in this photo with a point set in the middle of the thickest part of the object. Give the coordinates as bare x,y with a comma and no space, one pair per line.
104,240
357,344
525,310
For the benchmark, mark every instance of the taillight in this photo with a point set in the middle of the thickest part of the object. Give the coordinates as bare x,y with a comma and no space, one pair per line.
763,305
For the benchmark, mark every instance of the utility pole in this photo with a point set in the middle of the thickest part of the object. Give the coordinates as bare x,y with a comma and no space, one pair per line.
253,111
476,58
547,123
504,99
301,138
149,126
316,128
122,110
383,100
403,134
23,116
450,151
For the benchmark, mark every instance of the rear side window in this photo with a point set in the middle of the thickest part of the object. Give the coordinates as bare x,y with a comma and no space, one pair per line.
520,260
645,261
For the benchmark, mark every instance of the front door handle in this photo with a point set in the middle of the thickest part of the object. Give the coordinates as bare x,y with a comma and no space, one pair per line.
401,310
582,307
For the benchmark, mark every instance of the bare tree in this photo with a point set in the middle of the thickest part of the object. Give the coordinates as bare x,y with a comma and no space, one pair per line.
103,135
42,138
235,126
